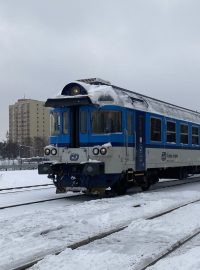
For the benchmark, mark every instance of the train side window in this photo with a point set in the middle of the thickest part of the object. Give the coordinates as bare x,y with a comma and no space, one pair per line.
184,133
171,132
155,129
195,135
55,123
83,121
65,123
104,122
130,123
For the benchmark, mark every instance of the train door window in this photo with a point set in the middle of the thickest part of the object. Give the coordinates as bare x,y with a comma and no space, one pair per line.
65,123
195,135
184,133
171,132
55,123
83,121
130,123
156,129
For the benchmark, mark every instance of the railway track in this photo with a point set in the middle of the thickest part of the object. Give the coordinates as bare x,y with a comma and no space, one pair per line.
23,187
107,233
154,188
49,186
27,190
171,183
173,248
40,201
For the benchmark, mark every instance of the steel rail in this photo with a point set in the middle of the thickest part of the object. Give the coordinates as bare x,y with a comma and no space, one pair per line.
41,201
172,183
11,188
171,249
154,189
26,190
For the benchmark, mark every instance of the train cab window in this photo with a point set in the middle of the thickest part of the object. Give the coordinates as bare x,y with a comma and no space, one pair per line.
65,123
55,123
130,123
195,135
83,121
184,133
171,132
155,129
104,122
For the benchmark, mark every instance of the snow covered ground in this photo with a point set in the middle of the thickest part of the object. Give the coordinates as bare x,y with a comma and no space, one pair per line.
28,232
22,178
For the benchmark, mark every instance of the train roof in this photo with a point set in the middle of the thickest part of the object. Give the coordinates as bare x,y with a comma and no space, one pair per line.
101,92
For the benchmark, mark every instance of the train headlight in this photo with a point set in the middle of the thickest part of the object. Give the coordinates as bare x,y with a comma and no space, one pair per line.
75,91
54,151
103,151
93,169
47,151
95,151
89,169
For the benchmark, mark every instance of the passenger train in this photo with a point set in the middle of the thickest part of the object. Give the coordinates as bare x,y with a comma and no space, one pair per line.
104,137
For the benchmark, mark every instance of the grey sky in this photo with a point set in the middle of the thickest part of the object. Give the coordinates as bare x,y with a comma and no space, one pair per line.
149,46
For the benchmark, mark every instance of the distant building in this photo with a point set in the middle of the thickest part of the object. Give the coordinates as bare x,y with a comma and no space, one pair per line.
29,122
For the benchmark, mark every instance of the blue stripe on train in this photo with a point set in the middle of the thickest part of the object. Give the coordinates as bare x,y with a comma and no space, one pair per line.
115,144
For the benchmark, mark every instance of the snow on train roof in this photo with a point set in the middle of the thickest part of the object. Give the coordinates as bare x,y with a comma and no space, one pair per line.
104,94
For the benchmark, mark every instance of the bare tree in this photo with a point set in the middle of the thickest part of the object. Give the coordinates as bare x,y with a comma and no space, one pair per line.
38,145
9,149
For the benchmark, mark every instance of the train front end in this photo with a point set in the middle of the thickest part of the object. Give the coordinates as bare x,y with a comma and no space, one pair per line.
88,146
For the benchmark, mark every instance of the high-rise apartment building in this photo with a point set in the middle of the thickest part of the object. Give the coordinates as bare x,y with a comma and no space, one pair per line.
28,121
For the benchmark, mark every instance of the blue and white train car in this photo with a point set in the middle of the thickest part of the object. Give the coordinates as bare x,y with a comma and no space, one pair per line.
104,136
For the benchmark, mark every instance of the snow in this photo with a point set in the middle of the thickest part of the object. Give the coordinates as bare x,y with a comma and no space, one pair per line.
26,233
22,178
187,261
141,242
115,96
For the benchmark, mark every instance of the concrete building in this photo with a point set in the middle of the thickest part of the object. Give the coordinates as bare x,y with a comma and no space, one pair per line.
29,121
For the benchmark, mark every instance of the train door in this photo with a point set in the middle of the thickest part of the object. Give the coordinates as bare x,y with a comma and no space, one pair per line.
140,141
129,137
83,126
74,127
60,126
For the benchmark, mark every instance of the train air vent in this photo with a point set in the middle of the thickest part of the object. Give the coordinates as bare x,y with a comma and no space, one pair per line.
96,81
106,98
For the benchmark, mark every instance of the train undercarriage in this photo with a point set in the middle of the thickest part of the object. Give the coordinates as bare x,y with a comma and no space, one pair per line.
90,177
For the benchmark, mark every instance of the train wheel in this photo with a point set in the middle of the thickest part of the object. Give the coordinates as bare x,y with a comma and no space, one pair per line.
145,187
183,174
146,184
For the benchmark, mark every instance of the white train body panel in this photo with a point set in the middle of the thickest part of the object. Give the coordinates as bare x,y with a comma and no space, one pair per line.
117,160
164,158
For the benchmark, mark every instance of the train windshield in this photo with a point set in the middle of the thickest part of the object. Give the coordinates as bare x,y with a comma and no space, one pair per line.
106,122
55,123
65,123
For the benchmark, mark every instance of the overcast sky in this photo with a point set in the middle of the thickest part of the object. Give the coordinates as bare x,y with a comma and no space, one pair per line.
149,46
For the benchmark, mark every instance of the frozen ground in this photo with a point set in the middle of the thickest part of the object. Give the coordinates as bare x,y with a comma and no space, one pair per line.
22,178
30,232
